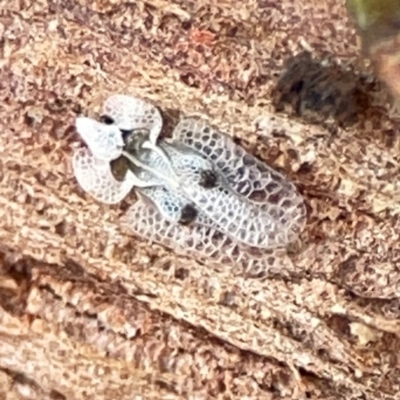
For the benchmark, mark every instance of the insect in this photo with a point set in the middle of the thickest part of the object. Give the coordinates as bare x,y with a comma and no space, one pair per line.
199,193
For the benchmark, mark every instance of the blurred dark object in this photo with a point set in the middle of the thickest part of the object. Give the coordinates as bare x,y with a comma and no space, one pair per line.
318,92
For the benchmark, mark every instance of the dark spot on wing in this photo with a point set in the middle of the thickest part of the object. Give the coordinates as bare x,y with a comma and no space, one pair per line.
208,179
188,214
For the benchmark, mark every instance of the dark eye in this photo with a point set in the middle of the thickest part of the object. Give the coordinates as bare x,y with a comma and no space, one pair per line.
105,119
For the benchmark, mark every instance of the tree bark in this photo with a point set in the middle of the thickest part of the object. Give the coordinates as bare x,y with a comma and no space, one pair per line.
88,311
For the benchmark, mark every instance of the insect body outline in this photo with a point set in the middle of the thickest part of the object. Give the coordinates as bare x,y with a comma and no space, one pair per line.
199,192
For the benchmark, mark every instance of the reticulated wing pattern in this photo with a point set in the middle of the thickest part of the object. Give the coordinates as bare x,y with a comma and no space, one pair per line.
235,215
241,219
166,202
171,203
266,188
104,141
204,243
130,113
95,177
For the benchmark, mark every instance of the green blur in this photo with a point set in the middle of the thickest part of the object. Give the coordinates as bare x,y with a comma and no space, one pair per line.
375,19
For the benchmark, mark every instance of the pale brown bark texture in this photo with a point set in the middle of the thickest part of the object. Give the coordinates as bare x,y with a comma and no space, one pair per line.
89,312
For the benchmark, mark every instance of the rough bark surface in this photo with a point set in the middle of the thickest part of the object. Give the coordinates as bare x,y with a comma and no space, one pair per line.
88,311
